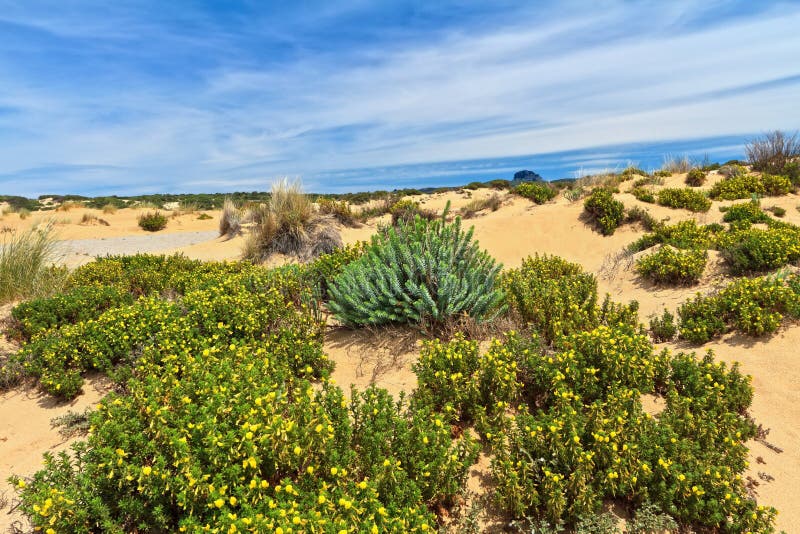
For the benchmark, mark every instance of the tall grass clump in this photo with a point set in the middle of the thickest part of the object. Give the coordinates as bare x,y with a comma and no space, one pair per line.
340,210
424,272
677,164
230,222
492,203
290,225
25,264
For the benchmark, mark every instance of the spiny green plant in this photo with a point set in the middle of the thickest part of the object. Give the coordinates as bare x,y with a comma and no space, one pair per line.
418,272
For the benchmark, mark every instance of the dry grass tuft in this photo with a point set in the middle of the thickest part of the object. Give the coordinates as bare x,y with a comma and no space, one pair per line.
25,264
677,164
88,218
69,205
341,210
289,225
109,209
492,203
230,222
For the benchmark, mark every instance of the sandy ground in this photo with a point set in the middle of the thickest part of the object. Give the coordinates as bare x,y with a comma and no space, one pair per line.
385,357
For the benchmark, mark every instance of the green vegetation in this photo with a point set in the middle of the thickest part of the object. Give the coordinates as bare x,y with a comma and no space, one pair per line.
425,272
741,186
405,211
340,210
26,264
536,191
645,195
751,306
673,266
696,177
606,212
684,198
152,221
663,328
224,416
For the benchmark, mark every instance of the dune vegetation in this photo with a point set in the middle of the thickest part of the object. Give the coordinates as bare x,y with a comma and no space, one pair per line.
224,416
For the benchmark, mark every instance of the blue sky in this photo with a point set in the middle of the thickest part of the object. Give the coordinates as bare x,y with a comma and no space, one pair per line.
101,97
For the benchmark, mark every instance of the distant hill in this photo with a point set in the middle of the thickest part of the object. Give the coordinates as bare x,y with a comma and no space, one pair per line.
527,176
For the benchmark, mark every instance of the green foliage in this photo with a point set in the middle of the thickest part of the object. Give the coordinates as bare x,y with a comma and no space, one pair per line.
777,211
745,185
321,272
583,437
535,191
152,221
663,173
552,296
673,266
645,195
339,209
418,272
754,250
696,177
685,198
455,379
663,328
683,235
606,212
746,211
80,304
630,172
754,307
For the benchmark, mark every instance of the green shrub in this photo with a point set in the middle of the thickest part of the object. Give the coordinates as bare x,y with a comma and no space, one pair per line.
792,172
152,221
777,211
751,306
630,172
755,250
685,198
663,173
535,191
696,177
552,296
606,212
747,185
673,266
321,272
454,378
645,195
663,329
746,211
637,214
419,272
683,235
80,304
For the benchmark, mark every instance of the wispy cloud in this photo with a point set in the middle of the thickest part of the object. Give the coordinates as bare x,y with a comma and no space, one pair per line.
154,97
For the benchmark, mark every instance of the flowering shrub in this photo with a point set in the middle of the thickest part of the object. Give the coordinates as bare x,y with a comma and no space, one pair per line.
80,304
538,192
683,235
663,328
746,211
684,198
553,296
754,307
454,378
696,177
745,185
606,212
673,266
757,250
586,439
645,195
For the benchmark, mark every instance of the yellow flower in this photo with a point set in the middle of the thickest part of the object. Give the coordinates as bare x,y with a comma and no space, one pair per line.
219,503
146,470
